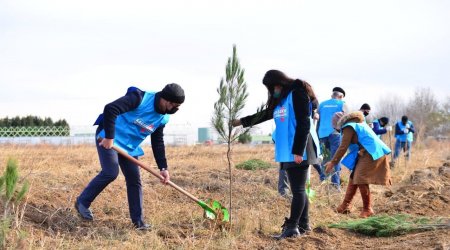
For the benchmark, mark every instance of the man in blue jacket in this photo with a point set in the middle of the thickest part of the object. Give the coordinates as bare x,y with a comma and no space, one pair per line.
380,126
126,123
329,137
404,130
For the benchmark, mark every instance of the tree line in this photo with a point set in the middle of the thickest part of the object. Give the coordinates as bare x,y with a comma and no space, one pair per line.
32,121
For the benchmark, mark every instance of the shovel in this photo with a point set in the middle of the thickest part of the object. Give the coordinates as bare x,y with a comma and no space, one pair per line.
213,209
309,191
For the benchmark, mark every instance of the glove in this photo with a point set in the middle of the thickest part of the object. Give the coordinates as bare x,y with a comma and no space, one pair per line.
405,130
407,125
388,128
320,158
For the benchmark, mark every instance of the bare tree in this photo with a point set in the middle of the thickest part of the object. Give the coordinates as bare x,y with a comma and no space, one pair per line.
420,110
392,106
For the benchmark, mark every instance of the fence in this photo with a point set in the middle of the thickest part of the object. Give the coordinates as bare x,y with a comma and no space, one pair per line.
76,135
34,131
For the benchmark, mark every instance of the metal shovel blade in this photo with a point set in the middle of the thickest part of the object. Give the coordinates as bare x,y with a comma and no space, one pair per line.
215,211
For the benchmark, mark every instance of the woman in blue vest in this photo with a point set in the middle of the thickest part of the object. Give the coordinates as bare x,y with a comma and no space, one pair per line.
126,123
366,159
296,139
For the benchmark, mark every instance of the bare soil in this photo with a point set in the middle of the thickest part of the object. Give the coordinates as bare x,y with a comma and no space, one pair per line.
58,175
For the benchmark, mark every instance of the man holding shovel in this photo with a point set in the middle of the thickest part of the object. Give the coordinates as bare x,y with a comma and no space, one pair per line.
125,123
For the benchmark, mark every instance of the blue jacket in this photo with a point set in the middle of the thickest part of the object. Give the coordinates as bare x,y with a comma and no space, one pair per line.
326,111
378,129
368,140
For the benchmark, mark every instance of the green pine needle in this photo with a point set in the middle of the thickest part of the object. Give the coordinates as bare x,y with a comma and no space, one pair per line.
11,177
386,225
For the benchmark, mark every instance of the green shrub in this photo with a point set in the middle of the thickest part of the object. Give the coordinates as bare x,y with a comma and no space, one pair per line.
253,164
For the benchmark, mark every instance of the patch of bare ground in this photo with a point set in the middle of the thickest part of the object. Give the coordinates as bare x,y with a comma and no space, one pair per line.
59,173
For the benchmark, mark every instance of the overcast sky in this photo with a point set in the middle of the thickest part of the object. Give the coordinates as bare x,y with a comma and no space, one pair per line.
67,59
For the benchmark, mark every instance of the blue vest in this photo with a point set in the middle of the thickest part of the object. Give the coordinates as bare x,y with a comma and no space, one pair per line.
134,126
369,140
379,125
404,137
326,111
286,124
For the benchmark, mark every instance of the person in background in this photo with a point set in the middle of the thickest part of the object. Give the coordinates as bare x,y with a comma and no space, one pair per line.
404,130
296,142
315,116
329,137
125,123
366,159
365,109
380,126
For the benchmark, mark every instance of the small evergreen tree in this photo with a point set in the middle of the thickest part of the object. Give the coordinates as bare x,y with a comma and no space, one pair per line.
232,96
11,196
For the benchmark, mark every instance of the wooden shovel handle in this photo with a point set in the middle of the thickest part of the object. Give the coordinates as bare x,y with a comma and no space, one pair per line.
153,172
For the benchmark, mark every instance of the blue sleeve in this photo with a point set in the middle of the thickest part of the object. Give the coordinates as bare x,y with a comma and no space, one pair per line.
398,131
378,129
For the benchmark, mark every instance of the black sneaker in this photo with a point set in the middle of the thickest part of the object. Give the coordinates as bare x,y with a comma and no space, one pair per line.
83,211
289,229
142,226
304,228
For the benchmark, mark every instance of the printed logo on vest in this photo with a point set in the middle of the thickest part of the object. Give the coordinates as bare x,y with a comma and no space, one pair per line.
280,113
144,126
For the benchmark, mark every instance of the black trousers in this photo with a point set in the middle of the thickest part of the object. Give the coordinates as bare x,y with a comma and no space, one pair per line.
297,174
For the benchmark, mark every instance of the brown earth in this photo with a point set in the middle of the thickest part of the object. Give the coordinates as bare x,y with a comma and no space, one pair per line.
58,174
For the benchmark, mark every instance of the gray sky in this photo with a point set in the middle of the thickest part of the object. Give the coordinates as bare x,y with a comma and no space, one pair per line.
67,59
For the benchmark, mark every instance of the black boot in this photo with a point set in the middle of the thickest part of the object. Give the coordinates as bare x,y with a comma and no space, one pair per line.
304,228
289,229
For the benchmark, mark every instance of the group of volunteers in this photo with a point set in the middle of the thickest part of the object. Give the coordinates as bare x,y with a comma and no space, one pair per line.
294,107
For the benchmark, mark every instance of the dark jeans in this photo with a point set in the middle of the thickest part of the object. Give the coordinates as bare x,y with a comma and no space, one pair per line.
405,146
110,162
297,180
332,144
322,175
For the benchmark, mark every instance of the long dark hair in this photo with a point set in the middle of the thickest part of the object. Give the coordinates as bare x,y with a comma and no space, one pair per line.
275,77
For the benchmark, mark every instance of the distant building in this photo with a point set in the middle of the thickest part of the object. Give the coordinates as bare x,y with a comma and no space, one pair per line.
204,134
261,139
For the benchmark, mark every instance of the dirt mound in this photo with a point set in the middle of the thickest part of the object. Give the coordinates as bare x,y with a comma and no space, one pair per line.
426,193
50,218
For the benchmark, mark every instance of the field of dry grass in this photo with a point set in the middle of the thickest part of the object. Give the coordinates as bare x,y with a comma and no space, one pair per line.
59,173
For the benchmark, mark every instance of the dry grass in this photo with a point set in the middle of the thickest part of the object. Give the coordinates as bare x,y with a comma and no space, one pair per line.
59,173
